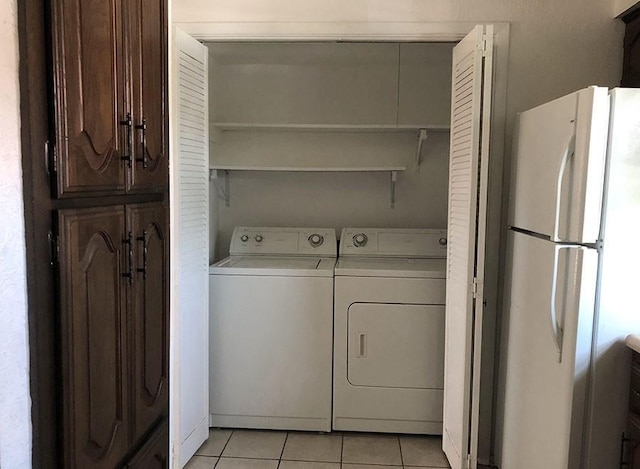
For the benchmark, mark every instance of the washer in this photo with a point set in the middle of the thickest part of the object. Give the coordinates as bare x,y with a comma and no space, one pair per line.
271,330
389,330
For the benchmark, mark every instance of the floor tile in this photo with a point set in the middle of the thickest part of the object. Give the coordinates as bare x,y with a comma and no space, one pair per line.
201,462
240,463
309,465
312,447
367,466
371,449
215,444
255,444
423,451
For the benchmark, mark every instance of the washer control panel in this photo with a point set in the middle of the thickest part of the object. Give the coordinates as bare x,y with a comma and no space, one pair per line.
393,242
284,241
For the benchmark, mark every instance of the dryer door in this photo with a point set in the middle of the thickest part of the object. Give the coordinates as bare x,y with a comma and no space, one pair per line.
396,345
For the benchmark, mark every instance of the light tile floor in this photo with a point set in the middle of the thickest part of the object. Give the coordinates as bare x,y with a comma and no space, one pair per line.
260,449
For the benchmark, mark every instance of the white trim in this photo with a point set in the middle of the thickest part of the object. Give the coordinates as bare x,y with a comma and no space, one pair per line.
330,31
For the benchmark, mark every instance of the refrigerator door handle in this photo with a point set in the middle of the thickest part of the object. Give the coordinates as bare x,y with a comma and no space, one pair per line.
570,150
556,326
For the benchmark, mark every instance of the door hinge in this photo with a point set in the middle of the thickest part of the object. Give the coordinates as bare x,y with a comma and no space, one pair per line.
54,248
50,157
474,287
482,45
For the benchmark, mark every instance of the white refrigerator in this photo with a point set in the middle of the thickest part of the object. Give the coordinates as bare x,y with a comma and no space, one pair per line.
572,286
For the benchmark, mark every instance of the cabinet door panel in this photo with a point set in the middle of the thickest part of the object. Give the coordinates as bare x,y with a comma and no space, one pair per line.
150,314
89,96
155,453
149,82
93,301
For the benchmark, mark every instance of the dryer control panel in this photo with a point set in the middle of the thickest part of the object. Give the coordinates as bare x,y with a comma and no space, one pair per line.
284,241
393,242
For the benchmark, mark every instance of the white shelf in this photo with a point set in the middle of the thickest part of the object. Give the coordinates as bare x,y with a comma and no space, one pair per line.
309,169
329,127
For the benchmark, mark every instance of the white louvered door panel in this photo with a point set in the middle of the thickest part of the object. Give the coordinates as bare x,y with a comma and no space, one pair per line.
468,180
190,175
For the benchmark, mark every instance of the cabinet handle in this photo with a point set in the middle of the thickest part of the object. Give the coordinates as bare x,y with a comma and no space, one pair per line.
128,124
144,160
129,241
143,239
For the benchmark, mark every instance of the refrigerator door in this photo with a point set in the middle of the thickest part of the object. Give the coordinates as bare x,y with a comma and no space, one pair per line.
549,319
560,150
619,306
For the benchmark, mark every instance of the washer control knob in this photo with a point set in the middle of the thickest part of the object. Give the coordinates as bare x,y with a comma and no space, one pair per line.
442,241
258,238
244,238
360,240
316,240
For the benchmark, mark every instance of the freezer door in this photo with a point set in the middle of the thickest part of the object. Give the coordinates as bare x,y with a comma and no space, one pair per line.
560,150
548,325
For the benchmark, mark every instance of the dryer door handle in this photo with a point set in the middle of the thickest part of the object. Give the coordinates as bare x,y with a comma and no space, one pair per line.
362,345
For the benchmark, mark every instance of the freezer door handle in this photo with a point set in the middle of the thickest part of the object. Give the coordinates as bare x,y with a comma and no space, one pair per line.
569,151
557,326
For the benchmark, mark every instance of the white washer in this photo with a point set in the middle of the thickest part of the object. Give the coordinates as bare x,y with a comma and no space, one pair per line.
389,330
271,307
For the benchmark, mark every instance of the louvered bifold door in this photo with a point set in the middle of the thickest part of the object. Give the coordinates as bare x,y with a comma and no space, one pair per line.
190,175
468,178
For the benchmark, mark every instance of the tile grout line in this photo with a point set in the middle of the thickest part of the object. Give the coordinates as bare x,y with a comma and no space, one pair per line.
400,446
286,437
341,449
223,448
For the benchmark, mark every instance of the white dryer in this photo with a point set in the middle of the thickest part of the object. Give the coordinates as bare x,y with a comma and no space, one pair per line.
389,331
271,330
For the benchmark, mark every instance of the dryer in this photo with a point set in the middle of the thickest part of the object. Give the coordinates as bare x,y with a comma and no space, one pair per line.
271,330
389,319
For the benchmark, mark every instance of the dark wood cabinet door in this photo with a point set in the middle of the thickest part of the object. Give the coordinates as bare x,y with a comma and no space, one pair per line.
631,59
92,261
148,38
150,315
155,453
89,96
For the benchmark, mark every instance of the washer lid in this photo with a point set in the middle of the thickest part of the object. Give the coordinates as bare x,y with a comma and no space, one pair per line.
275,266
385,267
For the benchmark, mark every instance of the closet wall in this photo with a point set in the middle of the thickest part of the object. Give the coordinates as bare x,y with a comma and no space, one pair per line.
332,84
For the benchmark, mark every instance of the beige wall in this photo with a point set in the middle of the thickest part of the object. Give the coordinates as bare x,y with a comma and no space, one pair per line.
15,417
623,5
556,47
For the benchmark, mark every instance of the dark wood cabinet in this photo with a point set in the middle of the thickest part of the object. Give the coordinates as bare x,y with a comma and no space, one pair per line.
110,76
94,96
90,101
630,455
149,315
631,58
155,453
96,420
148,20
113,277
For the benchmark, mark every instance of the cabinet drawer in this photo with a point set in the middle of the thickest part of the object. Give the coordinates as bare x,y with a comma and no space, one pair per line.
154,454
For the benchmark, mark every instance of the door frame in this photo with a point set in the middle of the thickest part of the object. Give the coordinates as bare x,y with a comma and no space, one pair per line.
498,174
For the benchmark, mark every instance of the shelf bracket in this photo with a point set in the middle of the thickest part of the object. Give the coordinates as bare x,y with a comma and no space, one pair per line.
223,192
392,188
422,137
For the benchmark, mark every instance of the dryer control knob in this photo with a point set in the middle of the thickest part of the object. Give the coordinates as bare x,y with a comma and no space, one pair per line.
316,240
258,238
360,240
244,238
442,241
